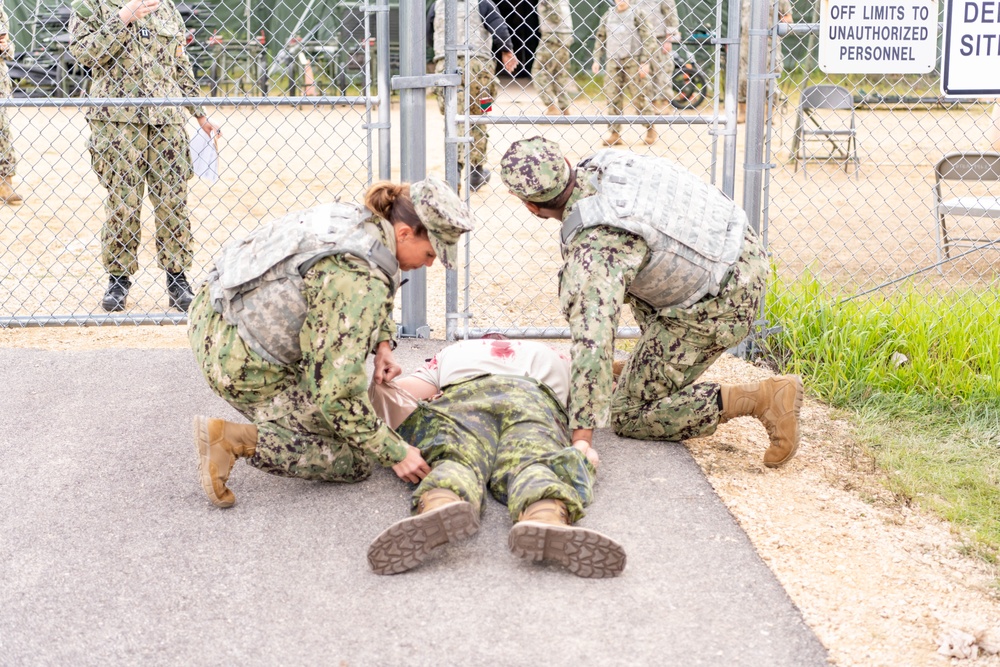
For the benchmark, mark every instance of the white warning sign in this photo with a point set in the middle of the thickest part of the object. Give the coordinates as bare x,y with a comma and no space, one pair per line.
878,36
970,57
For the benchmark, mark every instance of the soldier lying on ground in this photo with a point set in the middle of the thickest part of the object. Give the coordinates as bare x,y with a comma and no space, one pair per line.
490,414
283,326
643,230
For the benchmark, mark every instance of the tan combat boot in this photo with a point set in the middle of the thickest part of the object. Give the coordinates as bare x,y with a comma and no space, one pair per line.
441,517
651,137
776,402
7,194
219,444
552,110
613,139
543,532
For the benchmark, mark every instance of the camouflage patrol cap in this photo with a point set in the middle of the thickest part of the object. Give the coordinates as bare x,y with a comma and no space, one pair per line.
534,169
444,215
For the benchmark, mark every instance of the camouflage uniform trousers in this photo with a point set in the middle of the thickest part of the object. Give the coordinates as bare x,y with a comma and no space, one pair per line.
295,438
661,70
621,78
551,71
657,397
8,159
505,433
125,157
481,81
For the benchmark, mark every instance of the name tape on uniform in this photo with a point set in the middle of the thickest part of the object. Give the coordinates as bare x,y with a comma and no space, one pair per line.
878,36
970,57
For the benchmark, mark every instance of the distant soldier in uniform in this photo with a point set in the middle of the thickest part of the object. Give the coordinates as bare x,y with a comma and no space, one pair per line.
283,326
626,42
551,71
784,16
643,230
8,159
490,414
665,26
137,50
482,22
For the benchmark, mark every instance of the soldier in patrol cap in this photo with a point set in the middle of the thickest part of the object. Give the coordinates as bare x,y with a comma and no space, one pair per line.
283,326
137,50
8,159
643,230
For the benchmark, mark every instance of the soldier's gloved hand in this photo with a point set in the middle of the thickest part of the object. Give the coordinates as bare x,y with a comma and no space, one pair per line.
413,468
135,10
386,368
588,451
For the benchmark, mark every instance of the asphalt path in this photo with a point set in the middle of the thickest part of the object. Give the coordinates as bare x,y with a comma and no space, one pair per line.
110,554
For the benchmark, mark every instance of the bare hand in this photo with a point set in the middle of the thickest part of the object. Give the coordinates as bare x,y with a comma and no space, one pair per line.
668,46
413,468
3,42
644,70
589,452
595,68
207,126
386,368
135,10
509,61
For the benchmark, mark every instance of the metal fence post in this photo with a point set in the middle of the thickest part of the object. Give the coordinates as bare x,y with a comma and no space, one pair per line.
732,42
413,149
382,49
451,150
757,77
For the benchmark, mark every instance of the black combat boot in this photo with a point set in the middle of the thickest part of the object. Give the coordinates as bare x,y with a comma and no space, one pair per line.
179,291
478,177
116,294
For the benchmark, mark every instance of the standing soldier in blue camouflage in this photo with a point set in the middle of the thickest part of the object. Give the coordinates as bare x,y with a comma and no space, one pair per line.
490,414
551,71
626,44
137,50
8,159
283,326
644,231
665,26
478,22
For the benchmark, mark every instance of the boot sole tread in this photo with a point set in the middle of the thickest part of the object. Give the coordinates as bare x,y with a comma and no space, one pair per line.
584,552
203,445
407,543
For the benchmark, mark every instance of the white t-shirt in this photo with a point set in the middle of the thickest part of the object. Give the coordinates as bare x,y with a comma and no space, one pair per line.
526,358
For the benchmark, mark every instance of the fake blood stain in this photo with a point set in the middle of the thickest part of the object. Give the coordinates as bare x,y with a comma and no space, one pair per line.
502,349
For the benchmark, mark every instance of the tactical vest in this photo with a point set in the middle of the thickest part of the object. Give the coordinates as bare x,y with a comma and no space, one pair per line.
256,284
694,232
479,41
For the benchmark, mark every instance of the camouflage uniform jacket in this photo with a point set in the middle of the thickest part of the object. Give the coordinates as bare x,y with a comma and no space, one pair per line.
663,18
554,17
599,264
145,58
624,35
6,88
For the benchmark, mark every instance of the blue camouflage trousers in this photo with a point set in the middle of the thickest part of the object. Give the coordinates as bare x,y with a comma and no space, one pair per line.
508,434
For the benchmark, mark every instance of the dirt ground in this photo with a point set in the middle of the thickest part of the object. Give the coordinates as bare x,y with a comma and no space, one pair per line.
879,581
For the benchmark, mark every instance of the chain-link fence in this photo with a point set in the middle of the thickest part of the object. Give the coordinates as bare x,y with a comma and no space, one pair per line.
299,89
104,149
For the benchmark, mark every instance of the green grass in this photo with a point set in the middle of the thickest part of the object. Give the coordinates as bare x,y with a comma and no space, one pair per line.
933,422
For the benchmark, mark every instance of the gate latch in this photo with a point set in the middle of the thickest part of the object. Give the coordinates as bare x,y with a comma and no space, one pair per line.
426,81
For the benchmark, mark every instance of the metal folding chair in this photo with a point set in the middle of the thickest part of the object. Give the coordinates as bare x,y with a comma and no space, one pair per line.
969,168
817,108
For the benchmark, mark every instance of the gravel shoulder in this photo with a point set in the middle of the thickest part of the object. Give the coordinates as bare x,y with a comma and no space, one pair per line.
878,580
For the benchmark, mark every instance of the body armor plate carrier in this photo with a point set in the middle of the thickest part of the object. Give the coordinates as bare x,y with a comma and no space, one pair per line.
694,232
257,284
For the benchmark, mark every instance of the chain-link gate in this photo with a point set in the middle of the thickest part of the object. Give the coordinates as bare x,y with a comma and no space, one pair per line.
648,78
298,88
